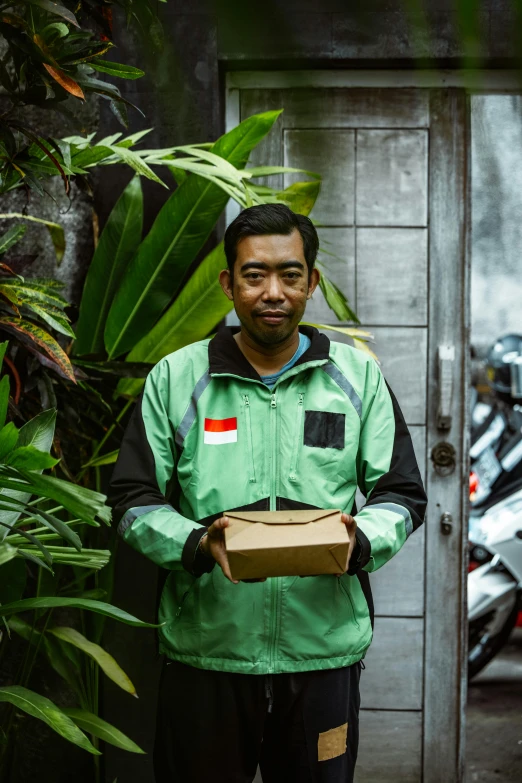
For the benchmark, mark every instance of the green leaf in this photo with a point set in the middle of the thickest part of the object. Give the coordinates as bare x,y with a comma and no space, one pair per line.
42,708
8,439
105,459
301,196
135,162
52,316
32,539
105,661
360,337
3,349
200,306
117,69
67,666
56,8
29,458
52,602
94,725
11,237
5,390
37,432
36,560
267,171
7,553
179,232
40,341
80,501
336,300
55,30
117,245
56,231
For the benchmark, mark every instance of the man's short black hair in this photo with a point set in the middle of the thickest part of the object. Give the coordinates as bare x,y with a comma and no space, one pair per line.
267,219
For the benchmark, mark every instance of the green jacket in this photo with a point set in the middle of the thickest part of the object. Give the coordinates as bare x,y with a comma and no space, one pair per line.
206,436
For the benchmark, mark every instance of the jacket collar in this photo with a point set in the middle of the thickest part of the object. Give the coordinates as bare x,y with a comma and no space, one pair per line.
226,358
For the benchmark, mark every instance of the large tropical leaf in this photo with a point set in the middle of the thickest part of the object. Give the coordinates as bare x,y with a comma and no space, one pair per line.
200,306
100,728
42,708
118,242
38,432
104,660
179,232
52,602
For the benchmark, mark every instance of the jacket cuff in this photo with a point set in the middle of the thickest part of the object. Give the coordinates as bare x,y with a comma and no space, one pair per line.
361,554
193,559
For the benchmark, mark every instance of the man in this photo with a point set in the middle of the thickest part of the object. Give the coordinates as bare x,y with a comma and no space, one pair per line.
267,416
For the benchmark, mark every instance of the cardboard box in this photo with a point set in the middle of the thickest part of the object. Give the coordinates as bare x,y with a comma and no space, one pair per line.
286,543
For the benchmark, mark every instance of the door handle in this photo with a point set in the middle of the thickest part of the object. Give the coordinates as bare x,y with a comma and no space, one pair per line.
446,362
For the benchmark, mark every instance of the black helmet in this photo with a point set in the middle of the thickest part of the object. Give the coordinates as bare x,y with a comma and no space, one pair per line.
499,359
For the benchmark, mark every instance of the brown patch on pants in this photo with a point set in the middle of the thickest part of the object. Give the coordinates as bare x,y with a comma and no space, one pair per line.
332,743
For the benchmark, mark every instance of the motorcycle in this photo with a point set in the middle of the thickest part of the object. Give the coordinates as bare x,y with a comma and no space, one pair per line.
495,524
495,587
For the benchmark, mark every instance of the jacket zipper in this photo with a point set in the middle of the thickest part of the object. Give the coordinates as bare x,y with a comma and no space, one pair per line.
274,581
180,607
350,599
295,456
252,478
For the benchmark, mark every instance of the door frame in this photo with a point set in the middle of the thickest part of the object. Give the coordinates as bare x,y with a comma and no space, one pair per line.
439,720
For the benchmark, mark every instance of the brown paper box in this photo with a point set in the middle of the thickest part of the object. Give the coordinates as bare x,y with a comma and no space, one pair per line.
286,543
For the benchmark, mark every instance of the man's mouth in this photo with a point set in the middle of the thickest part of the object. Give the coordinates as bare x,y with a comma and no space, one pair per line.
272,316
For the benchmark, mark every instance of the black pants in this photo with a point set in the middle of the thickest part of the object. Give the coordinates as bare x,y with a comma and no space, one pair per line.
216,727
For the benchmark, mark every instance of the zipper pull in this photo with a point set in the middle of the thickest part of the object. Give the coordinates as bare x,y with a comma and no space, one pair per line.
300,400
247,401
273,401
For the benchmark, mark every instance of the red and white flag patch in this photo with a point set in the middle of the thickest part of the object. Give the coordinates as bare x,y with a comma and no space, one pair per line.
220,431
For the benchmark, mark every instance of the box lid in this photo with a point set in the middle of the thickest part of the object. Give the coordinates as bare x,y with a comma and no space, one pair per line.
293,517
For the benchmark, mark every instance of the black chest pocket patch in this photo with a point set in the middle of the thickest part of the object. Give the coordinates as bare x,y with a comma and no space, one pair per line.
324,430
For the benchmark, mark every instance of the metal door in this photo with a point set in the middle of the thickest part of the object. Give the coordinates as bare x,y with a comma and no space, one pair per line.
393,209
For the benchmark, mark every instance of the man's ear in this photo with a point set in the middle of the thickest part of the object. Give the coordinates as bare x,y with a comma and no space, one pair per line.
225,281
313,282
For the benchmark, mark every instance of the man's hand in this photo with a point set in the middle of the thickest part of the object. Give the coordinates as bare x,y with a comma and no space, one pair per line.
351,527
213,545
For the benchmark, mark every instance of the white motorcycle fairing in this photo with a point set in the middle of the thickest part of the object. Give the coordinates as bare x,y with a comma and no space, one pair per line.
490,589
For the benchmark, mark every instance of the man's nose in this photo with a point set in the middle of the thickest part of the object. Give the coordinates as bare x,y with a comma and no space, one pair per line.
273,290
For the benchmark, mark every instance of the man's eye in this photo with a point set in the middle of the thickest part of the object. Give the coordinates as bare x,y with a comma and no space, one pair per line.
293,275
253,276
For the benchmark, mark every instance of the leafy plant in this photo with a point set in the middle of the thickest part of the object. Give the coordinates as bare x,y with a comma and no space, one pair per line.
29,307
41,521
49,61
141,313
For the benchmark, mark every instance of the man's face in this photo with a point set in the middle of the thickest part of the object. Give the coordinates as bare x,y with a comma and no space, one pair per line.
270,286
